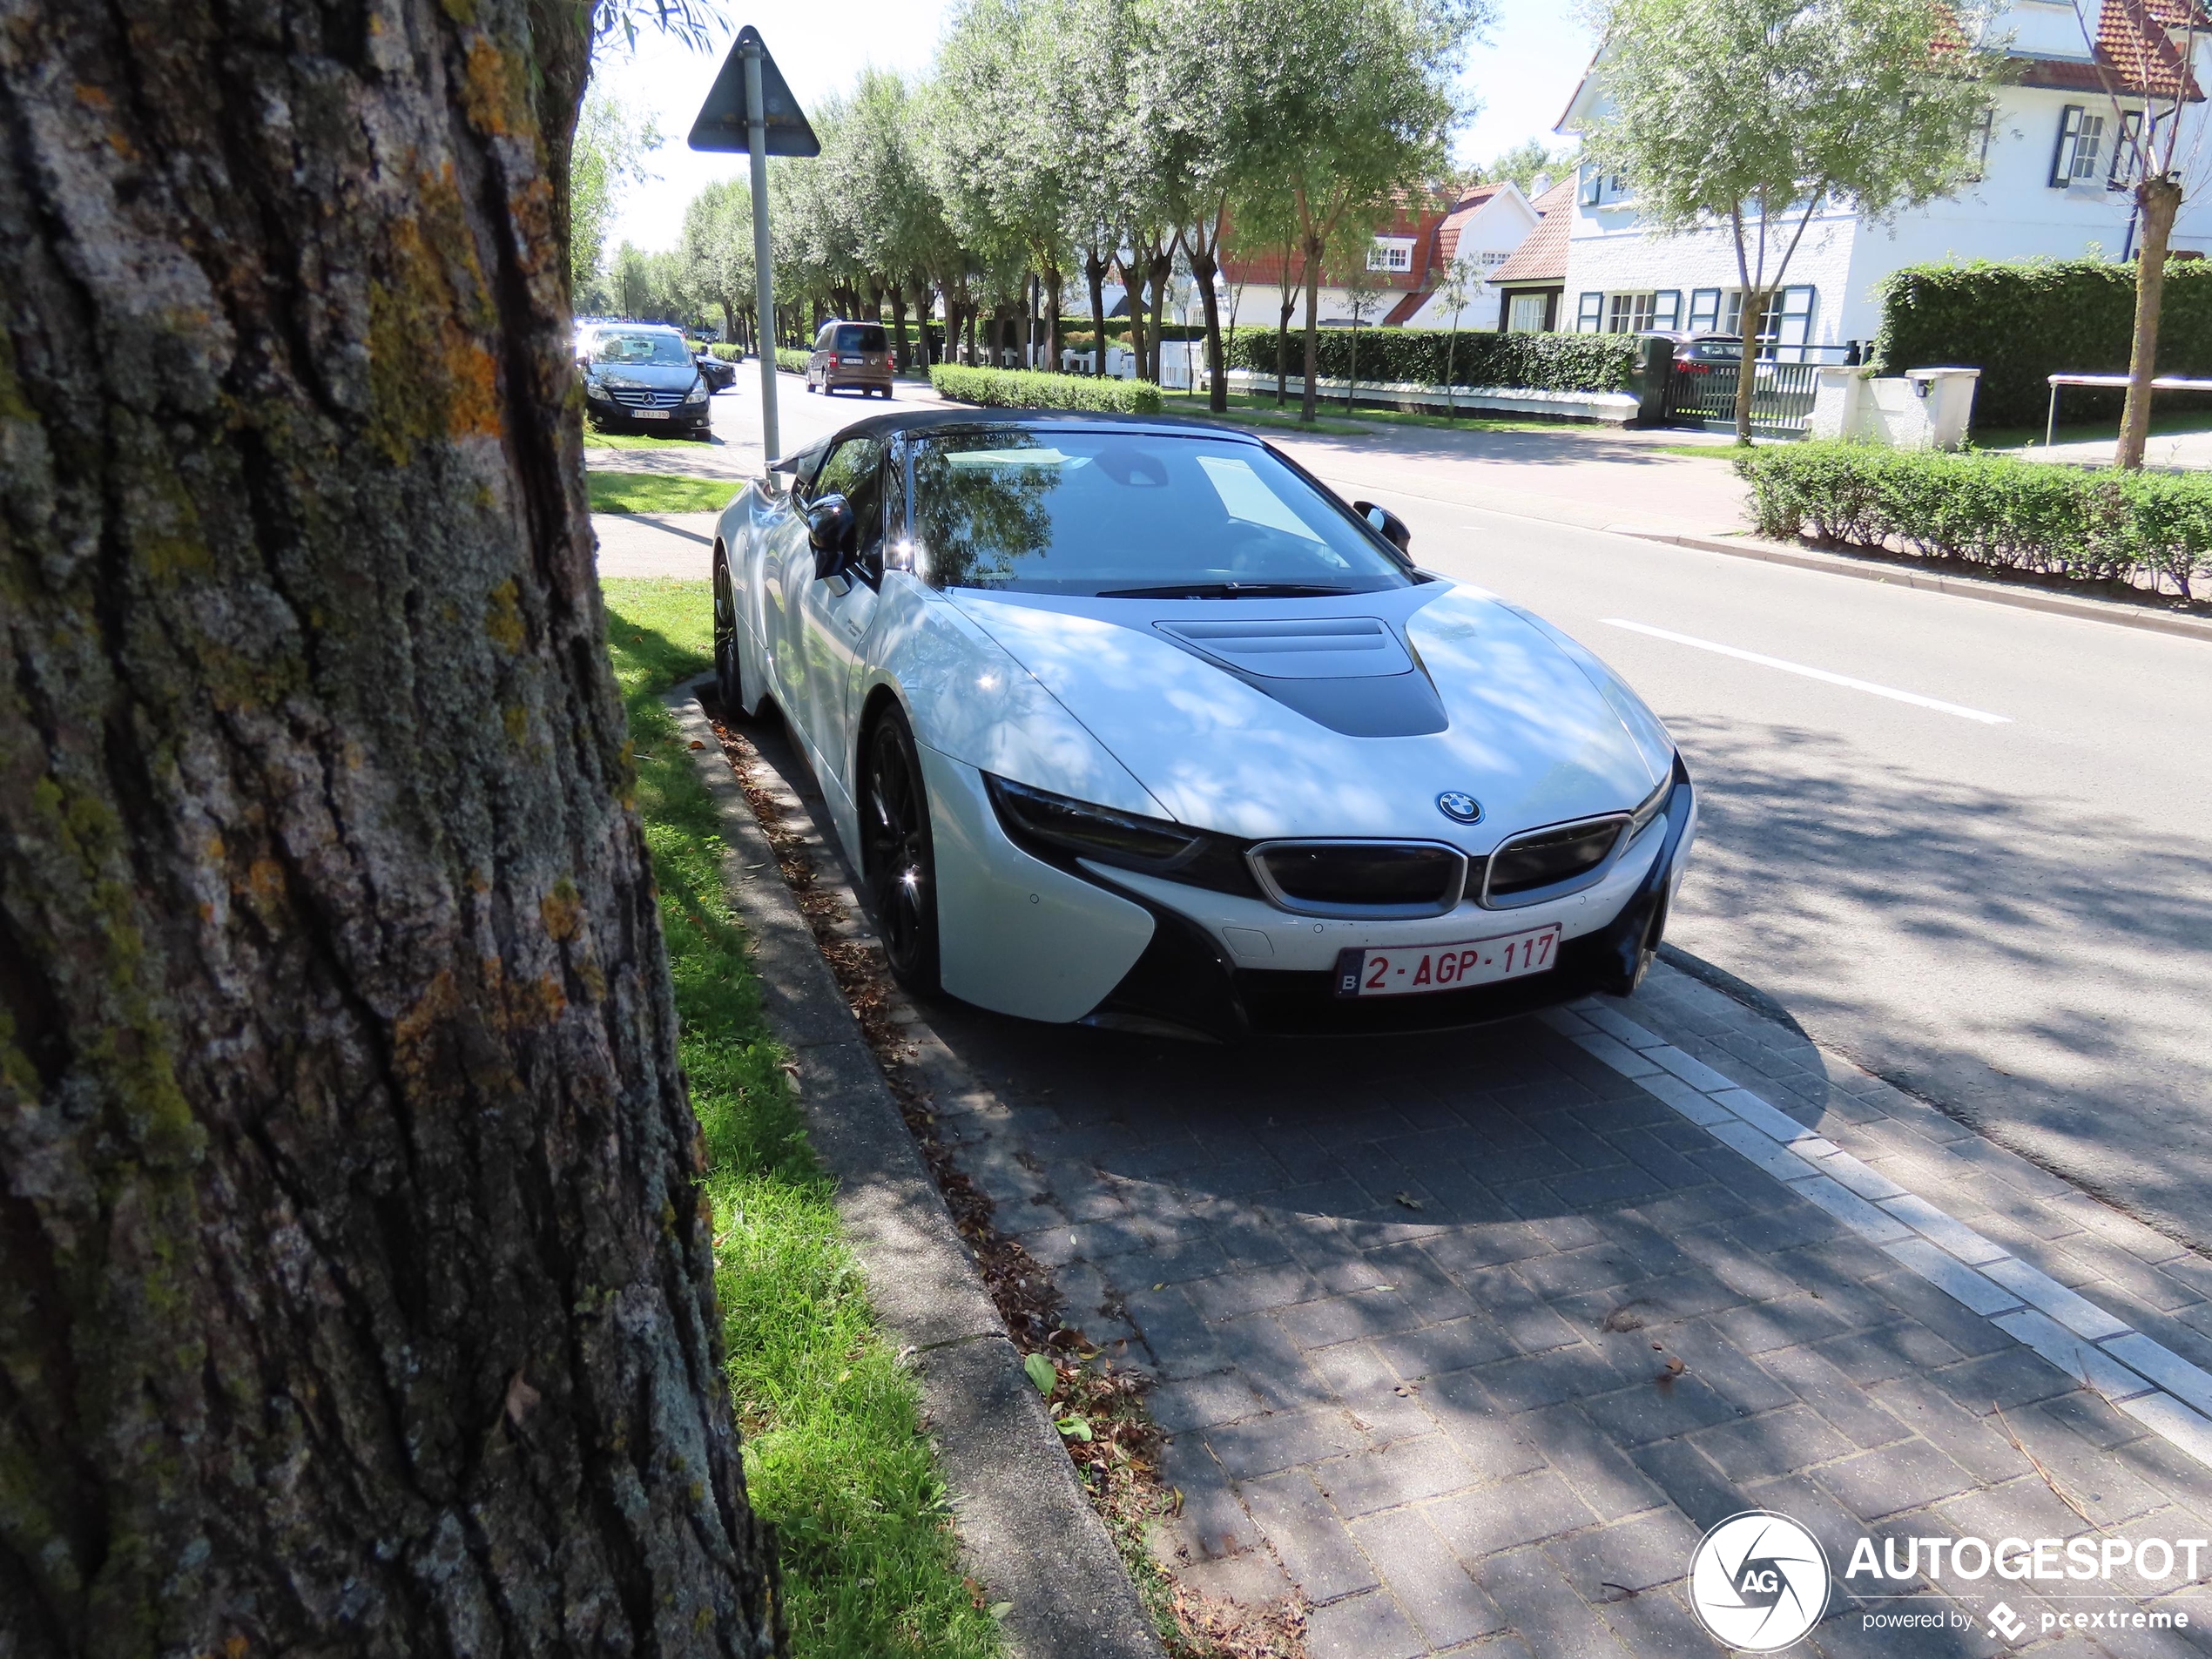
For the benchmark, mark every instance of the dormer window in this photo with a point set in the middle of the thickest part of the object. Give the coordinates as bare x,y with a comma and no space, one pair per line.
1391,253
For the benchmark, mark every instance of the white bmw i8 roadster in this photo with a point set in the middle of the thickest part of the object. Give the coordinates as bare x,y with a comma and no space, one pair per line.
1136,722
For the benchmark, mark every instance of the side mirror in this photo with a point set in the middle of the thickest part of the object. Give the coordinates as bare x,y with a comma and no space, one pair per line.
830,526
1387,524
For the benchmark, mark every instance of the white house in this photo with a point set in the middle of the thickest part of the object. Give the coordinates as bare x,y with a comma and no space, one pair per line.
2053,180
1406,261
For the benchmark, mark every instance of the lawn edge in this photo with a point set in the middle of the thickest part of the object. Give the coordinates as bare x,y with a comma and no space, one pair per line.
1026,1529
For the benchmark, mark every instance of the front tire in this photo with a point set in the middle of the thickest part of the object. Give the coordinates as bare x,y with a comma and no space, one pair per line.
729,682
898,857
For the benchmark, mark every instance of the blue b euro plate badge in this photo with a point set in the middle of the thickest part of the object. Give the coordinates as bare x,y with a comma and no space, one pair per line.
1350,960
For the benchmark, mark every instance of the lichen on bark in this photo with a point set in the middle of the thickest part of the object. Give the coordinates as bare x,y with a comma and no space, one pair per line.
355,1291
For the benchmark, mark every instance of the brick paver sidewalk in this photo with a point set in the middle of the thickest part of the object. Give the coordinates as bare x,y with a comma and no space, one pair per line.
1469,1337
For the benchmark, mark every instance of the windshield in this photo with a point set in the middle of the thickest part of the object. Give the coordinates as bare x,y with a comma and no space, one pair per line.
862,337
666,350
1131,516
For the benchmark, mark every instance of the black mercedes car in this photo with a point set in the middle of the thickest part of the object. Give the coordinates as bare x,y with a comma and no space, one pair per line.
643,377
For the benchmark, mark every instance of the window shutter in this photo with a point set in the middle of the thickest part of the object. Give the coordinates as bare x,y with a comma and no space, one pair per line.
1593,185
1980,143
2127,163
1705,310
1666,309
1589,316
1793,324
2062,157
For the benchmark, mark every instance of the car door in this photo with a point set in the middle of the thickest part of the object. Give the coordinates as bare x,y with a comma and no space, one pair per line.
830,615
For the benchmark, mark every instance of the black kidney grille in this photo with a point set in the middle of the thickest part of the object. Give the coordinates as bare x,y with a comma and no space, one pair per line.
1365,875
1544,857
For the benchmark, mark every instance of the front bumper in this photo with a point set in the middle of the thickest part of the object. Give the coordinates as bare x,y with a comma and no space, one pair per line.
1231,969
681,417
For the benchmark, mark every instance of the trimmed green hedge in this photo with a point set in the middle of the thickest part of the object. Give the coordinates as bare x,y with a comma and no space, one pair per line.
2021,320
726,352
1545,362
793,361
1985,509
1026,388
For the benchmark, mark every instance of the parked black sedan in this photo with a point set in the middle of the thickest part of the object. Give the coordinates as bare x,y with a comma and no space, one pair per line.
643,377
719,376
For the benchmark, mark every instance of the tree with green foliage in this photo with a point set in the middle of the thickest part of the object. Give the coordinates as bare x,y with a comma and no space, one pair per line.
613,147
1354,105
1531,166
716,251
1461,282
1804,107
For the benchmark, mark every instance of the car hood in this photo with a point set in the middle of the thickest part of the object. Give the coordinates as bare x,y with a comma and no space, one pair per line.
1343,716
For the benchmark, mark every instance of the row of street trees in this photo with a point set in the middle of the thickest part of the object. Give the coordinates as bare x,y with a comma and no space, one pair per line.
1059,145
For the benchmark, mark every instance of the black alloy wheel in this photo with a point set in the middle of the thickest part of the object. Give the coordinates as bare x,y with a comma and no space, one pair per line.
729,689
896,855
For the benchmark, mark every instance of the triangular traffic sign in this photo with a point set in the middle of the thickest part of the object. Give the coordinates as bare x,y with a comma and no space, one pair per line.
723,120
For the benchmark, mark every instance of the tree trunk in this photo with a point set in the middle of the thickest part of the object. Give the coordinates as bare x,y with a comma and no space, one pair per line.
1202,267
1451,346
1094,273
1283,334
1309,406
1133,270
1052,280
1754,314
355,1277
899,360
1163,268
729,322
2158,199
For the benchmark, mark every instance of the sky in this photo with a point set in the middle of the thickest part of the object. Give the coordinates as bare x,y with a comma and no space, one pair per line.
1522,76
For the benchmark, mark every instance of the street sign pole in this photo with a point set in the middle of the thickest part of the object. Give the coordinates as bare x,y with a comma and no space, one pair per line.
749,108
763,275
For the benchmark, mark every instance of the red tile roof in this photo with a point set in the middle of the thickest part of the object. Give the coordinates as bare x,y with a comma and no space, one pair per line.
1447,236
2134,53
1542,256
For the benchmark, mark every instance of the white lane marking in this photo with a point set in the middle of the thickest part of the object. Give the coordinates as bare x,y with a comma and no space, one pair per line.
2164,1392
1845,680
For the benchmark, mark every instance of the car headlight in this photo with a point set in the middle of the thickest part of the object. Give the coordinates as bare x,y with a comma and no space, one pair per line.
697,393
1057,828
1653,804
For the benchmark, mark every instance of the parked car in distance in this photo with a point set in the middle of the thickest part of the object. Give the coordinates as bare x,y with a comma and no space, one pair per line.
719,375
642,377
1133,722
851,354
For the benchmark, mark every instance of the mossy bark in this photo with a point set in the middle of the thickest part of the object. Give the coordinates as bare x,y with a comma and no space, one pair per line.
355,1288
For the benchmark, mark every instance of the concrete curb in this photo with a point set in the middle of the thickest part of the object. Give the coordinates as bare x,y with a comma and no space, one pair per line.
1027,1531
2057,604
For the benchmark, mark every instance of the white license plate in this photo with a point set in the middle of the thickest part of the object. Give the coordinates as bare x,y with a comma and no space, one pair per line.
650,415
1408,970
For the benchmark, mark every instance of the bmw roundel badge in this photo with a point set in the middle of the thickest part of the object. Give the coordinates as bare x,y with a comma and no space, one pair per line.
1457,804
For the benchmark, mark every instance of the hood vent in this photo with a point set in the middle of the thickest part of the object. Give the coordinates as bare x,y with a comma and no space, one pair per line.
1327,648
1351,674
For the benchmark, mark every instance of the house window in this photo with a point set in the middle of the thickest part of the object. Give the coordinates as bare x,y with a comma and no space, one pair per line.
1391,253
1589,314
1978,146
1704,311
2128,153
1787,321
1631,314
1601,188
2080,140
1525,315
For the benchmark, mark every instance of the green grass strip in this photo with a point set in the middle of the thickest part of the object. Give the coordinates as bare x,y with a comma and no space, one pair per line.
658,492
834,1453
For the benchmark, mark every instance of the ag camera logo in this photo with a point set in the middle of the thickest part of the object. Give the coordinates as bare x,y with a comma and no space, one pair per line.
1758,1581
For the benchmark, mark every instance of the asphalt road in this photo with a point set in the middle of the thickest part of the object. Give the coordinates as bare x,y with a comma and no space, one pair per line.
1998,895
